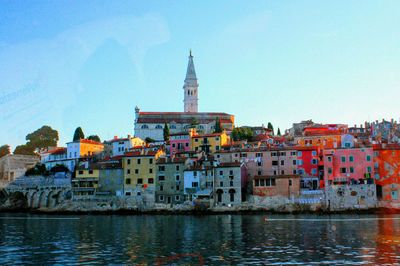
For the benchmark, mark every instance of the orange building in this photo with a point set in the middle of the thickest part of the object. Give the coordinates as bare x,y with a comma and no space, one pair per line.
387,174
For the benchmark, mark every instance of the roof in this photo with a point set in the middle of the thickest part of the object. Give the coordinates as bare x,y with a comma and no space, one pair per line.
87,141
56,151
148,153
183,117
229,164
207,135
169,160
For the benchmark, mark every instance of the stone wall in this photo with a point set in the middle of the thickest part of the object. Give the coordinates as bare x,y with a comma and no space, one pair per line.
351,197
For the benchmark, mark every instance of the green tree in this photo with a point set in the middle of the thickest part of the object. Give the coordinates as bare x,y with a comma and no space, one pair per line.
279,132
271,127
4,150
218,128
42,138
78,135
194,122
94,138
24,150
166,132
240,133
149,140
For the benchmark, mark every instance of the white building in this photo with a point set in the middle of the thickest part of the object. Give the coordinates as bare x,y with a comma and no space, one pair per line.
120,145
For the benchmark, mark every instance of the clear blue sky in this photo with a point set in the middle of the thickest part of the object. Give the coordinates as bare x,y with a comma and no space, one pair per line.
88,63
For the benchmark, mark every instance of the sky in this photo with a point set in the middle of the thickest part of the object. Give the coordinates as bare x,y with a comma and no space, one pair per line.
89,63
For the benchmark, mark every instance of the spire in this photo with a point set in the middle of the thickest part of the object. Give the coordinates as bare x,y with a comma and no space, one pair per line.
190,73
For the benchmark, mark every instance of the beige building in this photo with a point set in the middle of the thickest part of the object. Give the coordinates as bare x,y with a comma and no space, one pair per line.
14,166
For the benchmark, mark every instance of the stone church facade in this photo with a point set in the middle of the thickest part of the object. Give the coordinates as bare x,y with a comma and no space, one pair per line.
151,124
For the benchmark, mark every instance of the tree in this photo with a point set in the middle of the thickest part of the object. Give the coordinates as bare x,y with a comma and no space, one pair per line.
78,135
42,138
94,138
270,127
194,122
24,150
4,150
149,140
240,133
218,128
279,132
166,132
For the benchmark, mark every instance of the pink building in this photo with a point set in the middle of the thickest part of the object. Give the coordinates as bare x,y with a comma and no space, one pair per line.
348,165
179,142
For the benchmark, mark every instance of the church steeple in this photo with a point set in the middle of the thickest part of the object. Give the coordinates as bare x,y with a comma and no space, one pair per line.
190,87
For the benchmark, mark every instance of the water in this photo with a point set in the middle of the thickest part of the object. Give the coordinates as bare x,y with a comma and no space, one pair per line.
212,240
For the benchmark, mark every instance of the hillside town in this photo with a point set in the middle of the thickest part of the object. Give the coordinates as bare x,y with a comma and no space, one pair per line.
200,160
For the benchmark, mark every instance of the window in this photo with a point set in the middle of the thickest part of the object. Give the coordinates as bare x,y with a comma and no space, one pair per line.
128,181
290,182
313,171
221,183
259,154
299,154
257,182
282,172
150,181
221,173
177,177
294,162
294,171
282,162
231,183
150,170
273,153
136,171
161,197
161,178
195,173
151,161
161,168
329,170
343,158
369,169
187,144
293,153
314,161
177,168
259,172
395,195
368,158
177,198
343,170
128,171
145,127
90,172
195,184
329,158
159,127
259,163
351,158
217,148
262,182
351,169
274,162
196,140
177,187
300,162
161,188
128,161
230,172
140,181
81,172
314,153
274,172
138,161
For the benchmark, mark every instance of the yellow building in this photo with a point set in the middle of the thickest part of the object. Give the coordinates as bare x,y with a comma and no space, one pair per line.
86,182
140,170
208,143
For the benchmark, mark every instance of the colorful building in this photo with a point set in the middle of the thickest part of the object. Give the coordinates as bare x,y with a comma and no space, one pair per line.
387,174
169,181
345,166
209,143
140,170
287,186
86,181
81,149
122,145
179,142
227,184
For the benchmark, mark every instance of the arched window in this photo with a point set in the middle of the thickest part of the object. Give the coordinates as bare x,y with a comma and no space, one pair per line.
159,127
188,92
201,127
219,195
145,126
172,126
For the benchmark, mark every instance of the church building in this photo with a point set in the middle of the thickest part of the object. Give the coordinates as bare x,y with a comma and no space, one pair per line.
151,124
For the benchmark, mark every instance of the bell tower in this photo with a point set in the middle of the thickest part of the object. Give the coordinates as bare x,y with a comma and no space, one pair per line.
190,88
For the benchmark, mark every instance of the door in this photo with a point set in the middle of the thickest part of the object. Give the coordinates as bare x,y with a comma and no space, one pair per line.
169,199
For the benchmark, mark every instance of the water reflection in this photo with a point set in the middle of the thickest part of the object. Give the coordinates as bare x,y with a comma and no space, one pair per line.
216,239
